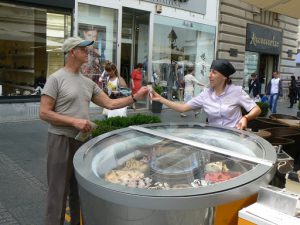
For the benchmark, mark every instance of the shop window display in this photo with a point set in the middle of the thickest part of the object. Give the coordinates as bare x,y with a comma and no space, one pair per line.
96,57
98,24
177,45
30,48
251,63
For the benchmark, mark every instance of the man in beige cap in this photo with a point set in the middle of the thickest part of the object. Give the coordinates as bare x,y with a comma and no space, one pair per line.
65,106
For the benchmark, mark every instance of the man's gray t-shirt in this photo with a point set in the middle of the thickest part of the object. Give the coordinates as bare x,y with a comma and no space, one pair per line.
72,94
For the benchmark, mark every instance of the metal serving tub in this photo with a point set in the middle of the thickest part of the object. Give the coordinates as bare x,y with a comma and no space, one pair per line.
169,174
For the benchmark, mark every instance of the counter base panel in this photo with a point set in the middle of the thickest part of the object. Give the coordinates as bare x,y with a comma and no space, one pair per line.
96,211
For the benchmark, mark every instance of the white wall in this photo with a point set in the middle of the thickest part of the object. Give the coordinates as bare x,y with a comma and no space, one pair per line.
209,18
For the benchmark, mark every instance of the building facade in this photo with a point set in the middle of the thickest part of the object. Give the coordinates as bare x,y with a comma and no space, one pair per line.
257,41
31,36
165,36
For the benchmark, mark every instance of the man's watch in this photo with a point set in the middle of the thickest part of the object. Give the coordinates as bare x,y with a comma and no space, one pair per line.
133,98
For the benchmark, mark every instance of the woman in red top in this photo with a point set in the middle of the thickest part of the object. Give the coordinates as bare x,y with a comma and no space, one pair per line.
136,78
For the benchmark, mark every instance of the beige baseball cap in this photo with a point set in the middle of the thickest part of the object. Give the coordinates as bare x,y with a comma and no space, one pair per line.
73,42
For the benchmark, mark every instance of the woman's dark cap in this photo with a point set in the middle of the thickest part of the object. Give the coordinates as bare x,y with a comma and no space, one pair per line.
223,66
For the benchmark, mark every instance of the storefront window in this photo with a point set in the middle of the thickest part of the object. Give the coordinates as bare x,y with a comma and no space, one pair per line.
30,48
100,25
177,45
251,62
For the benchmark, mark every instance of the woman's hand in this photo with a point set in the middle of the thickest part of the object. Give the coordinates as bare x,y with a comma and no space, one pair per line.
155,97
242,124
179,107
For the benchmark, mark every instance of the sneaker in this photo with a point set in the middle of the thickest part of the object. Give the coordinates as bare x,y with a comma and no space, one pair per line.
183,115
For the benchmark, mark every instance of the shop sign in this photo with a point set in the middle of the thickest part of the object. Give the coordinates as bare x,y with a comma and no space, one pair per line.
197,6
263,40
67,4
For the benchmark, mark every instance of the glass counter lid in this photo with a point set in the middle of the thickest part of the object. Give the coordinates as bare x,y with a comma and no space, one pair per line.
174,157
241,142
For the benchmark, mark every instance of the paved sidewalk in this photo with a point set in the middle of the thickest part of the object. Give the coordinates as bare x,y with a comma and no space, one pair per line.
23,182
283,108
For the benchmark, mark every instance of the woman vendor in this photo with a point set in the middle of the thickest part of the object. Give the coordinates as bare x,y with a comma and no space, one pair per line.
222,101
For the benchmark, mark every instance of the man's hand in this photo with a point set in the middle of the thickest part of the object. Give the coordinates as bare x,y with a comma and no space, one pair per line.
142,93
83,125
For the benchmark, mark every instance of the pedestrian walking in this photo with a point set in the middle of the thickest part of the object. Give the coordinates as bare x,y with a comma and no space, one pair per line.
222,101
65,106
136,78
114,81
298,87
274,90
114,84
103,77
254,86
292,91
189,87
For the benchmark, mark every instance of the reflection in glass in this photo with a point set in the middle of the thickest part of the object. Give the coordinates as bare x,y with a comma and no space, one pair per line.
100,25
251,63
30,46
178,44
135,48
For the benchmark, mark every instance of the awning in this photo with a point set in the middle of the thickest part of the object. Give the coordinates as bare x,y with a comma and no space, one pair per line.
289,8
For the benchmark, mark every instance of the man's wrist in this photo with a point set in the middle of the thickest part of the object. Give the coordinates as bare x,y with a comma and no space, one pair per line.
133,98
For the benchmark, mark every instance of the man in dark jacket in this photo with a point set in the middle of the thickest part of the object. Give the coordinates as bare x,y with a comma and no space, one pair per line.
298,87
293,92
254,85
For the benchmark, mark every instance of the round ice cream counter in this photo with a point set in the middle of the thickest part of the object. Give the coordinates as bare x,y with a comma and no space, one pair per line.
169,174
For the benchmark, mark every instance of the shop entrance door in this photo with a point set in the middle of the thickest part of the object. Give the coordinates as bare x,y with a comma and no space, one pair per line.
267,64
134,44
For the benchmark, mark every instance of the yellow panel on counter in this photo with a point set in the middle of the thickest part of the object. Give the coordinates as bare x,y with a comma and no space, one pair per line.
245,222
228,213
